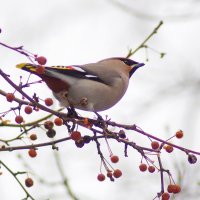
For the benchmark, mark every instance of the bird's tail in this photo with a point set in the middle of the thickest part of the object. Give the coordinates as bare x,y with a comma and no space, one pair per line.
27,67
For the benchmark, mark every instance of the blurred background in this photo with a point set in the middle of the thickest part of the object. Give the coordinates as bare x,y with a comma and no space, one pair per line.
162,97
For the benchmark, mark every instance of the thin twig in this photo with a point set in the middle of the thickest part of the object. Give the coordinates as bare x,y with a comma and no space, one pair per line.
64,178
15,176
131,52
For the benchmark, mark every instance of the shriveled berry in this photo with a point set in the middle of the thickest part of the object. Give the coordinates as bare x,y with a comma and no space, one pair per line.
86,139
33,136
19,119
122,134
143,167
151,169
192,159
40,69
51,133
179,134
117,173
79,143
58,121
28,110
41,60
101,177
29,182
155,145
165,196
32,153
75,135
10,97
169,148
114,159
48,101
48,124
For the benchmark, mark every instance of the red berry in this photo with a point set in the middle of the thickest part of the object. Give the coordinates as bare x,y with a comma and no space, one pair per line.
33,136
143,167
58,121
155,145
165,196
10,97
87,123
117,173
170,188
41,60
48,101
48,125
151,169
114,159
173,188
101,177
75,135
32,153
40,69
29,182
169,148
28,110
179,134
177,189
19,119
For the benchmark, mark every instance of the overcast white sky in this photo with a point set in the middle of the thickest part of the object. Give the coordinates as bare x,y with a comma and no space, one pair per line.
162,97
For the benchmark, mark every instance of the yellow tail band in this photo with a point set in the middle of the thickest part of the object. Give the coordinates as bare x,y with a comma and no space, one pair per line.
26,66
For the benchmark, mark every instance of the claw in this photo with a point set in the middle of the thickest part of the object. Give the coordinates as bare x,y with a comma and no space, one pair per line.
72,112
100,121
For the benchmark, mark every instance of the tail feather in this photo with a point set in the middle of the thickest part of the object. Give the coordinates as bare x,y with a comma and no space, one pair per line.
27,67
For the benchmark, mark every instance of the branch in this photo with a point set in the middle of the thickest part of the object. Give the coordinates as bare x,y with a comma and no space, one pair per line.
131,52
15,176
64,178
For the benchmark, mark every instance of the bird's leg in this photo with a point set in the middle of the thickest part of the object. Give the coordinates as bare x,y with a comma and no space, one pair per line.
99,117
100,121
72,112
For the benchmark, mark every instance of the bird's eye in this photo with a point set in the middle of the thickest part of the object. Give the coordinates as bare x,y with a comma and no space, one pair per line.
128,62
125,62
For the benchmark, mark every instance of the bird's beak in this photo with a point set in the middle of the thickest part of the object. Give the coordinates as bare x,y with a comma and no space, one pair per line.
134,68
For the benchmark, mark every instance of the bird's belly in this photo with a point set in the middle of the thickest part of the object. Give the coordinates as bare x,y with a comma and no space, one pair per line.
90,96
93,97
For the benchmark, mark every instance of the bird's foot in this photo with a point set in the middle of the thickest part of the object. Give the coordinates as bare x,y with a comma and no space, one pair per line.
100,121
72,112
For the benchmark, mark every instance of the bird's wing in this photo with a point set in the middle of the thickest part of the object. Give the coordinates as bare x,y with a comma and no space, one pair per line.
74,71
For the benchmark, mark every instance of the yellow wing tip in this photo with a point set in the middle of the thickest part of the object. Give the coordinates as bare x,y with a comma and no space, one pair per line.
21,65
27,67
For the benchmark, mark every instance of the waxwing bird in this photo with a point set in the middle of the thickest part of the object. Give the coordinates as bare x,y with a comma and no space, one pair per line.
91,87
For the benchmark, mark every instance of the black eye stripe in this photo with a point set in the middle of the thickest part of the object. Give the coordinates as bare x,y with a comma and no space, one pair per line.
128,62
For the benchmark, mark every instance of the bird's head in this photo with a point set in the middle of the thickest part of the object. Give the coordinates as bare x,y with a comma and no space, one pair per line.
130,65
